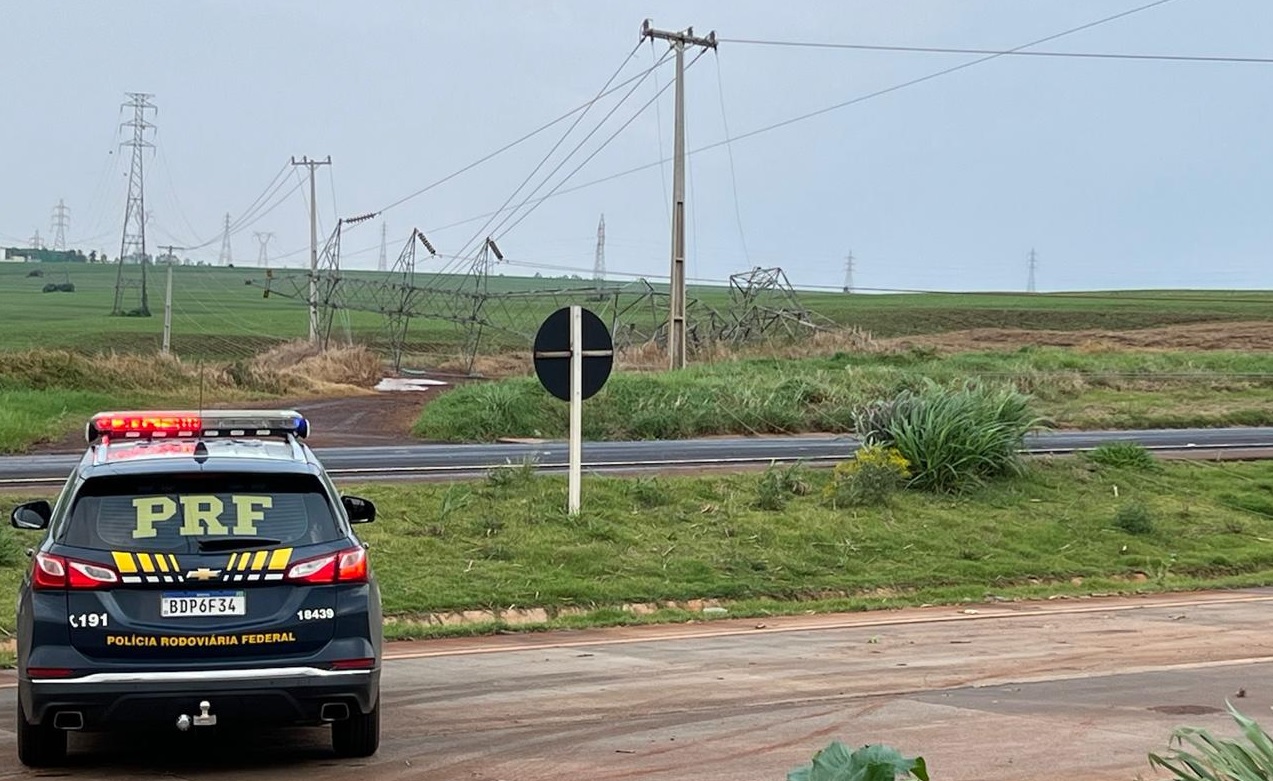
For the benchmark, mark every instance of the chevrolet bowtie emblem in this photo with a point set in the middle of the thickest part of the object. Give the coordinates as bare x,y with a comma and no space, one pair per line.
203,573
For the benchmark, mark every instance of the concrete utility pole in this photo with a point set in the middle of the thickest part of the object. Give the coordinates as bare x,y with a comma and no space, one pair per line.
848,273
226,258
599,264
676,313
133,241
61,221
262,257
1034,264
168,302
313,243
383,263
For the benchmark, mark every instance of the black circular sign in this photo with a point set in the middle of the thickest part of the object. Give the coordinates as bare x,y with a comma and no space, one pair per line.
552,354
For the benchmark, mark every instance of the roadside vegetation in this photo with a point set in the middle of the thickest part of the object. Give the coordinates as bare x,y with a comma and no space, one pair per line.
46,393
1073,389
658,549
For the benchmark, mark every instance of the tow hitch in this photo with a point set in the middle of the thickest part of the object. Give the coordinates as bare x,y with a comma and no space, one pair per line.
204,719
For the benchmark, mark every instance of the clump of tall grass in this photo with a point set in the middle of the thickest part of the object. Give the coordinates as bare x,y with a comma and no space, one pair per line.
952,438
1123,455
1200,756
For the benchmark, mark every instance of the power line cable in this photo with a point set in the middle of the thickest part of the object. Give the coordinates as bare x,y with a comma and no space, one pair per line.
596,151
733,176
331,180
844,104
264,196
578,119
509,145
1010,52
658,118
172,191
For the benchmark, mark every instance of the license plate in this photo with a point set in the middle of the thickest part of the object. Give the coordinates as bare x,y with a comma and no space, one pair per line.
203,603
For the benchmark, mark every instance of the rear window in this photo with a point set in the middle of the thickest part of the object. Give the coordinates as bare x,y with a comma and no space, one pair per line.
179,512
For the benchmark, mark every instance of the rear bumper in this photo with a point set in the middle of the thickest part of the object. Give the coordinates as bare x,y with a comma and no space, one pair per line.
282,695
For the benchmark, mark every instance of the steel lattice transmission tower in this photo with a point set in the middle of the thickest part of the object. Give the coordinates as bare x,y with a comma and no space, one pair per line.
599,265
61,221
132,243
1034,264
263,257
383,263
848,272
226,258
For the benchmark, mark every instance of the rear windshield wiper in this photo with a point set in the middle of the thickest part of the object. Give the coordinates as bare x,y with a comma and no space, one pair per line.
235,543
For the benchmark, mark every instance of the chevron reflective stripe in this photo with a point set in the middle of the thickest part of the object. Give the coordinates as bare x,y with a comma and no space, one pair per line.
124,563
279,558
146,564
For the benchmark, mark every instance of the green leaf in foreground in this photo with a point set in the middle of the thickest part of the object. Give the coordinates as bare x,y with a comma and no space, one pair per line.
1200,756
869,763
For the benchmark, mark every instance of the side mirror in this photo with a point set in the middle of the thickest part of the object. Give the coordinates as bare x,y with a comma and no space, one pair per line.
359,510
32,515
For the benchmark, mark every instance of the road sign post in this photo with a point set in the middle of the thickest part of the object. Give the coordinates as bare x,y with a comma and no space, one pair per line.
576,408
573,356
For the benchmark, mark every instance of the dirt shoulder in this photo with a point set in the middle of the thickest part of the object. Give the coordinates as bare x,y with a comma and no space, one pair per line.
378,418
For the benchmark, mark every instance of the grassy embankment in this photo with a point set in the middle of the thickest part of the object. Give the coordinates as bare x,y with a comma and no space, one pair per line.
46,393
659,543
1075,389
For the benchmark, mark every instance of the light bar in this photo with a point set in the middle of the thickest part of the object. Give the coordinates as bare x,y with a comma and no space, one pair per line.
212,423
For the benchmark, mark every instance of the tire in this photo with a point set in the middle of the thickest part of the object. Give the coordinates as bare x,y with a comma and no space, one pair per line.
39,745
358,735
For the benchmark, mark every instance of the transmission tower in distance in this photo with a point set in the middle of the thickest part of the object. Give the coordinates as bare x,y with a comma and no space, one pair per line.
132,244
61,221
1034,264
848,272
263,257
35,241
599,265
383,263
226,258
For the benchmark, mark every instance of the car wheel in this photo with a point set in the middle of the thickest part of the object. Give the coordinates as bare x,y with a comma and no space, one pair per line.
358,735
39,745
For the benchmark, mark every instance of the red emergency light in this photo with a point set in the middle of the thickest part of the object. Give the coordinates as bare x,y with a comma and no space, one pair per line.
145,425
219,423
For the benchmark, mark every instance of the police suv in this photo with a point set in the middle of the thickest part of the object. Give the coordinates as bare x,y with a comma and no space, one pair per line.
197,569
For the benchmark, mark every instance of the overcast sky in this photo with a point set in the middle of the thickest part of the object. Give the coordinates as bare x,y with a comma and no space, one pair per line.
1119,173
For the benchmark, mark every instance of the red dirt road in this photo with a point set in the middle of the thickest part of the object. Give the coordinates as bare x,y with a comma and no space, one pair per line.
1050,691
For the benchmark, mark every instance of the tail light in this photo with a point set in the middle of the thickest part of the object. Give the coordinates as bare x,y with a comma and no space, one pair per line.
347,566
50,672
353,664
56,572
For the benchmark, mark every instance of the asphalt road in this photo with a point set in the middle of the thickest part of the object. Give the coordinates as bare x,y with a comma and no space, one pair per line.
1050,691
415,461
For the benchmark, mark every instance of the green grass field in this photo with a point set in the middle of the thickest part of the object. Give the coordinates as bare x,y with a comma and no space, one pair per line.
217,315
493,544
